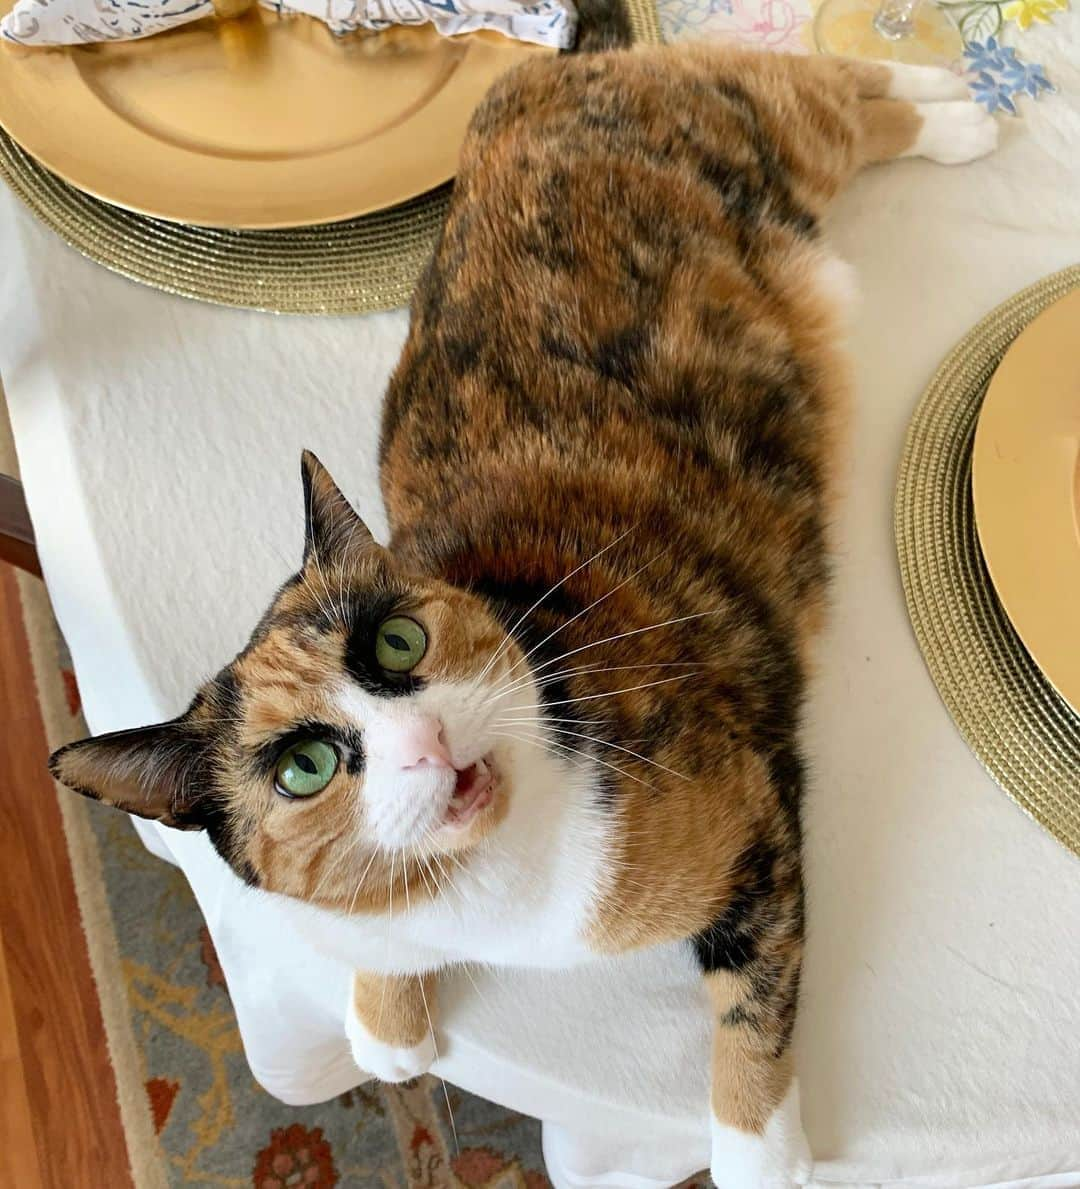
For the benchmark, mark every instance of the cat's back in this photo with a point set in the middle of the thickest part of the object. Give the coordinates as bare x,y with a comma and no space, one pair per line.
623,307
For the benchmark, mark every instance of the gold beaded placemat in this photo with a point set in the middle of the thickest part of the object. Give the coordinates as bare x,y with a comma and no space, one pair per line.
1024,733
354,267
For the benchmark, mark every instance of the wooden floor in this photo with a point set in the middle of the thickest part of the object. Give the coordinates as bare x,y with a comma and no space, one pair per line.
59,1122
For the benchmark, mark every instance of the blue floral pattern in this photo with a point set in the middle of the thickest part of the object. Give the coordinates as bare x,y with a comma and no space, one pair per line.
692,16
997,75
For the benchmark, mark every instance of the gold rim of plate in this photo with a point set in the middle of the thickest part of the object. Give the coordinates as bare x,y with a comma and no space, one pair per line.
262,121
1020,728
1025,483
356,265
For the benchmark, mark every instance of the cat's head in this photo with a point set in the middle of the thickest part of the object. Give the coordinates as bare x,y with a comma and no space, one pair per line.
356,736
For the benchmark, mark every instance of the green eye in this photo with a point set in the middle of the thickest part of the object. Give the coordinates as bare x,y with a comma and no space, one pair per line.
400,644
306,768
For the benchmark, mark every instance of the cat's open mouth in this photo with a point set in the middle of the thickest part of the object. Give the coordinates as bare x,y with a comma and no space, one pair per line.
472,793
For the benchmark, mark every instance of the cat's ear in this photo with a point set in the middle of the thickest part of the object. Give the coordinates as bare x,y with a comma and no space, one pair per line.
155,772
331,525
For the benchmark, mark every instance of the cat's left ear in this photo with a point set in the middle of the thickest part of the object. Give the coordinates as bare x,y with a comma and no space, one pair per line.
331,524
155,772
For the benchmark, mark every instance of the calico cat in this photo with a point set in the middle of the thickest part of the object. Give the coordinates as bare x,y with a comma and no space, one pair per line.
570,685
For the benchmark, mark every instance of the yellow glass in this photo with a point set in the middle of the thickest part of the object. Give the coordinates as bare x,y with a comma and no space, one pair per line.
887,30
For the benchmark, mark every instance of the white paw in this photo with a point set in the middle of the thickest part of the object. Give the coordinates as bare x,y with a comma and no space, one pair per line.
954,132
779,1159
838,284
924,84
387,1062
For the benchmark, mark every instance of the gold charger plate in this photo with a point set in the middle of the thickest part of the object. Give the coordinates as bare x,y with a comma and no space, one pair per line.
258,122
352,267
355,266
1022,730
1026,489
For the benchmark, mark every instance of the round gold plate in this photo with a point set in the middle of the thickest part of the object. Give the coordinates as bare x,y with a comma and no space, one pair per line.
1026,489
368,263
1021,729
258,122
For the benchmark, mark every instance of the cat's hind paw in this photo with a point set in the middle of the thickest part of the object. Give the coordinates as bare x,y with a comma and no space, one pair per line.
777,1159
388,1063
955,132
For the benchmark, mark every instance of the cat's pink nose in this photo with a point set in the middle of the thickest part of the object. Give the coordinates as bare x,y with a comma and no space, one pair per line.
419,743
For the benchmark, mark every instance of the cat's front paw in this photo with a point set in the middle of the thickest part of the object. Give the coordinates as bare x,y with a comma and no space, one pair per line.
777,1159
388,1063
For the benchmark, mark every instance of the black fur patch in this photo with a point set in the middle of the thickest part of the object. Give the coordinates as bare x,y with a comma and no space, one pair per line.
366,611
730,943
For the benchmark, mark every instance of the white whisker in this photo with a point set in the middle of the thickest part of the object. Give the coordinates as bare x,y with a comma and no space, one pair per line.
331,869
448,883
542,719
352,902
585,611
626,750
475,986
577,569
624,635
423,871
326,610
389,931
586,670
612,693
435,1046
342,571
566,748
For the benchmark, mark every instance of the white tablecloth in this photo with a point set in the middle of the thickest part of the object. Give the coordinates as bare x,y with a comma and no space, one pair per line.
939,1035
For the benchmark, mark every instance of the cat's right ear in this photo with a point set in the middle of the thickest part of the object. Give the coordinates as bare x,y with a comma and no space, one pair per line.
154,772
331,525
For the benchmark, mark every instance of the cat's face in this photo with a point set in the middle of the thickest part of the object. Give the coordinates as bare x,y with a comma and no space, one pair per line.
358,743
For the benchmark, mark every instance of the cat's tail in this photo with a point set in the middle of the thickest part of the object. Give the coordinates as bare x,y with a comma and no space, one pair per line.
602,25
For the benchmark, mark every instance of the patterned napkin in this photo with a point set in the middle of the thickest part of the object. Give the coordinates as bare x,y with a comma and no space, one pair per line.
75,22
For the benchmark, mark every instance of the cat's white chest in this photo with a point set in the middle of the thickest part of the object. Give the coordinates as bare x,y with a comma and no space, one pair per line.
525,898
